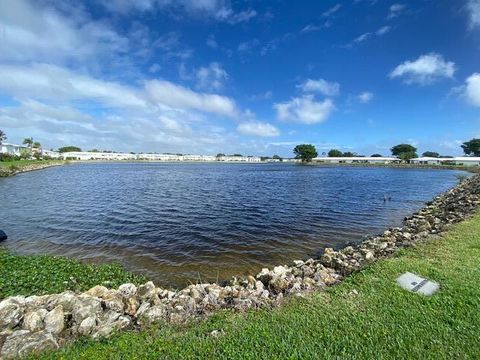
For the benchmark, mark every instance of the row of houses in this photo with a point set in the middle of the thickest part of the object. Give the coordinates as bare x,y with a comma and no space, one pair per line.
83,155
16,150
460,161
7,148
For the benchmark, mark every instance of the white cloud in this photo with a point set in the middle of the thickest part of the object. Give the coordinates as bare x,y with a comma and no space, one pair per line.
54,83
363,37
365,97
320,86
368,35
424,70
305,110
211,77
396,10
473,9
472,89
383,30
216,9
179,97
30,32
332,10
257,128
310,28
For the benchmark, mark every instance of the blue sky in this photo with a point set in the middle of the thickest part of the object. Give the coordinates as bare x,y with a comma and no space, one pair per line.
250,77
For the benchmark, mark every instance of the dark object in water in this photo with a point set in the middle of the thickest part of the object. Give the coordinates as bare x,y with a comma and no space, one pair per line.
387,198
3,236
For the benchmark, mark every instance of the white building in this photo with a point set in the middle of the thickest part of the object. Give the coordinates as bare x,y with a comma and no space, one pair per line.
228,158
51,154
84,155
460,161
356,160
465,161
12,149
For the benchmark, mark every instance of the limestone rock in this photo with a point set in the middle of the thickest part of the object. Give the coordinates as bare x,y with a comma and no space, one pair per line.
33,320
23,342
11,312
55,320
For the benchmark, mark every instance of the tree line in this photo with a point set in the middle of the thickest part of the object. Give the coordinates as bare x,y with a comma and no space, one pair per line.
405,152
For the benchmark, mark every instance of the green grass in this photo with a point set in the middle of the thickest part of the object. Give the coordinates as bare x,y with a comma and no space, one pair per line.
7,168
37,275
381,322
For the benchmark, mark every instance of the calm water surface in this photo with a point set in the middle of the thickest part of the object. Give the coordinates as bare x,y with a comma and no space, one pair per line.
178,223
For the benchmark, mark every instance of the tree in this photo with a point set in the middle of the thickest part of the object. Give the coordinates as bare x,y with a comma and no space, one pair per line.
220,155
472,147
3,136
335,153
349,154
276,157
28,142
376,155
432,154
404,151
36,145
306,152
69,149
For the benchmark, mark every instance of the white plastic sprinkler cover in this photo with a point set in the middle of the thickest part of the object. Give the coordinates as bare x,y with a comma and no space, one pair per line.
417,284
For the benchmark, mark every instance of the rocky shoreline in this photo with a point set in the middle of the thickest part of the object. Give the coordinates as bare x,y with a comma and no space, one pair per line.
15,170
42,323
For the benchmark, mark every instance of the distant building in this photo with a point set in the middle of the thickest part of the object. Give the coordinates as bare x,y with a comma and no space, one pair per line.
51,154
356,160
12,149
84,155
460,161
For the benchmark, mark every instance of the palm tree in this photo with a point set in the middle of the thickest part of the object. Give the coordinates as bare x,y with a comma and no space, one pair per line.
28,142
3,136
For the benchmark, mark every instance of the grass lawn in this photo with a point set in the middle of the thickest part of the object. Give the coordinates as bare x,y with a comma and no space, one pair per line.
37,275
381,322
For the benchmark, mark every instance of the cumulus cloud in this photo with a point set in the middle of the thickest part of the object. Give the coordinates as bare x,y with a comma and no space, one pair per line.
424,70
365,97
257,128
321,86
472,89
305,110
211,77
473,9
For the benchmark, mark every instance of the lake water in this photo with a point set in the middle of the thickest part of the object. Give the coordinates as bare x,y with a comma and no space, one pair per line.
178,223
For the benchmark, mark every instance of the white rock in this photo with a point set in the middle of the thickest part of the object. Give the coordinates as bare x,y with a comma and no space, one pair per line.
87,325
11,312
127,290
23,342
33,320
55,320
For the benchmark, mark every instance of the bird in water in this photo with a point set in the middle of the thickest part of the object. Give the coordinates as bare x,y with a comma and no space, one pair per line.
386,198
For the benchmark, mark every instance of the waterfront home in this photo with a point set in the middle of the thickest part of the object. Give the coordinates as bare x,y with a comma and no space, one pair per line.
51,154
84,156
460,161
12,149
239,158
356,160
